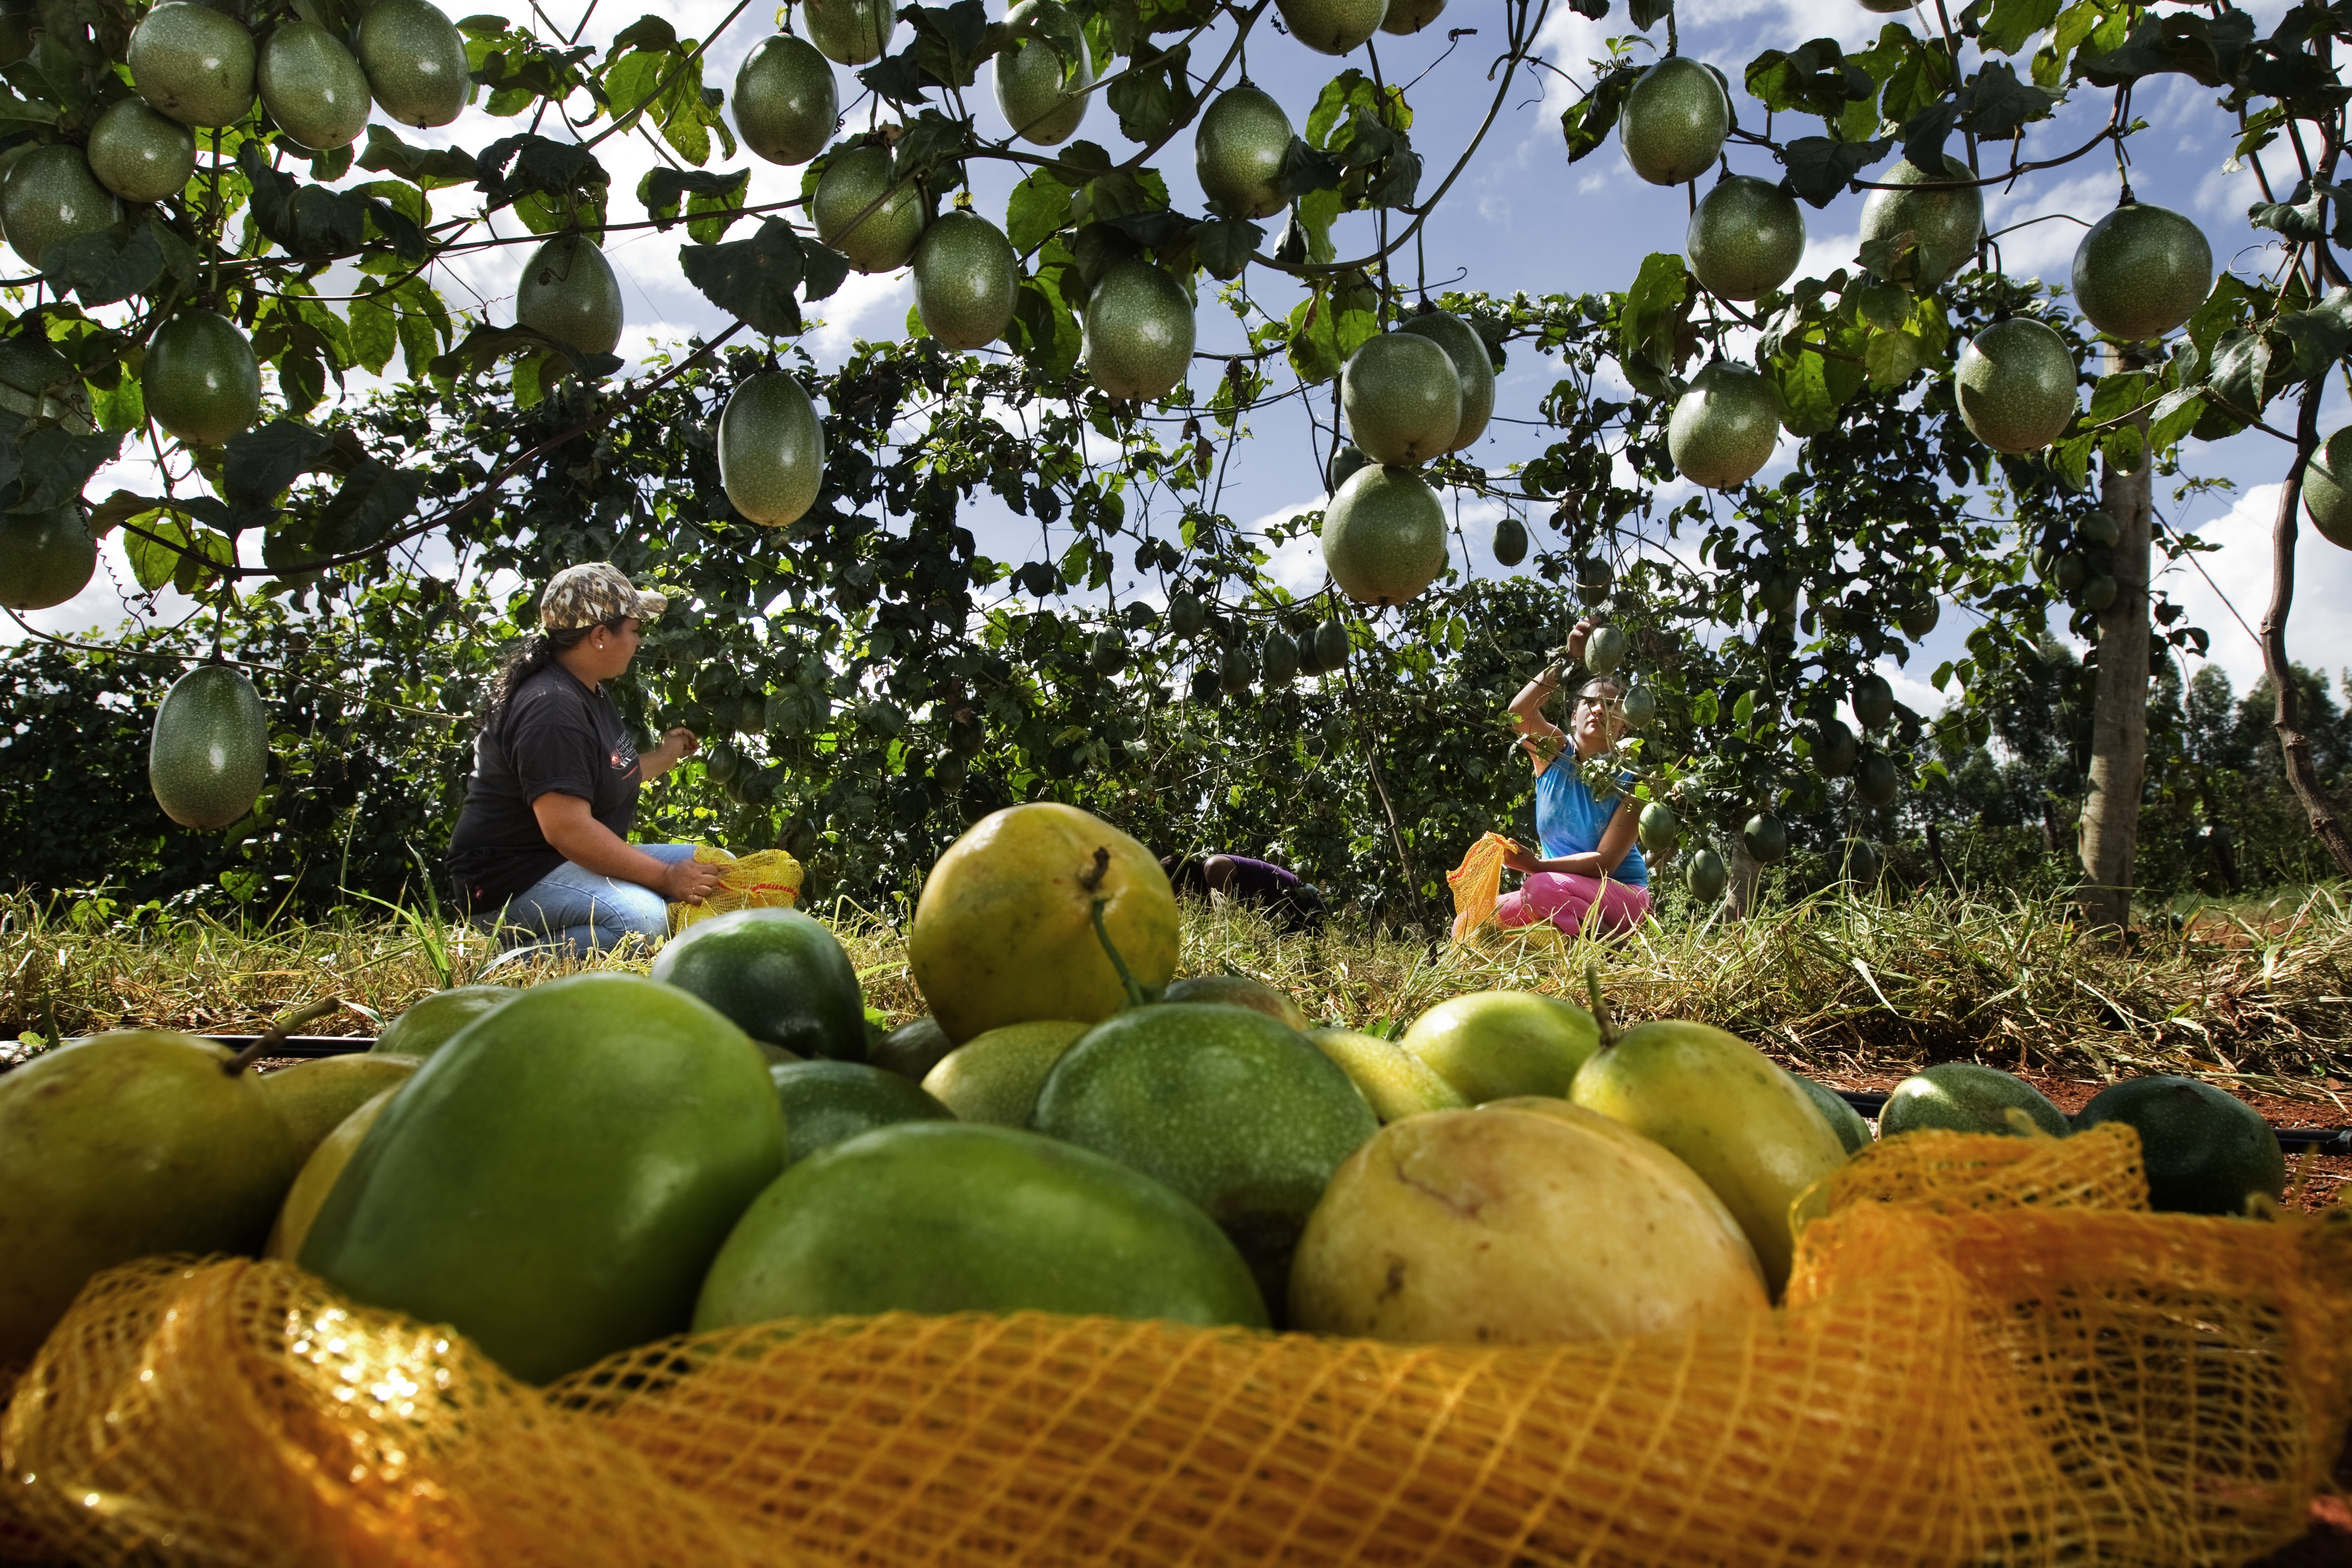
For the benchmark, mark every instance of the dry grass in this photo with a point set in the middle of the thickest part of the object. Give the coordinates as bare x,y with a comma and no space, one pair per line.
2260,997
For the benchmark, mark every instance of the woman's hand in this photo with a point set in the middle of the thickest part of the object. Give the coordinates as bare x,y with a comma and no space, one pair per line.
1577,639
674,746
1521,858
690,881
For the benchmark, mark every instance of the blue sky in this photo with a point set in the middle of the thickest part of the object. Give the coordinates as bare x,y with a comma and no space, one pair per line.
1522,218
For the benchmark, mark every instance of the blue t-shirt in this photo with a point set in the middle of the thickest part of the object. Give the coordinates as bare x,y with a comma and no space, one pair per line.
1569,821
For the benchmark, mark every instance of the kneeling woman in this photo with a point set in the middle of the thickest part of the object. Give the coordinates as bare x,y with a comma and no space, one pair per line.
542,846
1591,874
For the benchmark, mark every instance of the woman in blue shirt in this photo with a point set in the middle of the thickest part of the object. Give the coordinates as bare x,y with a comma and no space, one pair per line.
1590,872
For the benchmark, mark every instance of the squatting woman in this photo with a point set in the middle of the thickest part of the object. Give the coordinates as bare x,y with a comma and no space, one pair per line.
1590,872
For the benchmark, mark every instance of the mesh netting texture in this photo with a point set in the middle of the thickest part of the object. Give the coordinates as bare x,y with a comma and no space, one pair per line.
1990,1355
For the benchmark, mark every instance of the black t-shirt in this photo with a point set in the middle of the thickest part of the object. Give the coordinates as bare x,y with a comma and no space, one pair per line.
554,736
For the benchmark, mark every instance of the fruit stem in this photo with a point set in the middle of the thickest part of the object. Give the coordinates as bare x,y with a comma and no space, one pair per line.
1135,997
275,1036
1600,1007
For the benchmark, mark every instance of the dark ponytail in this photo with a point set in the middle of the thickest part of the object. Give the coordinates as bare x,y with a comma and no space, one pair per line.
525,660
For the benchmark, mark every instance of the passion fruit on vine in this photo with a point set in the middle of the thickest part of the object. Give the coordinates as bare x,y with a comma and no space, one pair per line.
1344,462
51,195
1471,368
1332,646
865,214
786,102
46,557
1724,428
1605,649
1707,876
849,32
2015,385
1332,27
966,280
1406,18
1402,397
1919,616
1138,330
201,381
1384,535
1833,748
1946,223
2141,271
194,63
312,87
1674,122
569,293
771,449
1238,151
1278,660
1746,237
414,58
1873,701
1043,95
1510,541
139,154
1764,839
2328,488
1877,781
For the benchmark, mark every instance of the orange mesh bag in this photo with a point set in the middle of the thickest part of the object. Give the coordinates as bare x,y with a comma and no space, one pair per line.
1989,1355
764,879
1476,883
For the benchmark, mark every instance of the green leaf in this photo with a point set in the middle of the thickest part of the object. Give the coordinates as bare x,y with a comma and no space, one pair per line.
1892,358
2178,42
1151,104
427,168
1225,246
1038,208
56,463
2175,415
259,464
375,332
2240,367
102,268
1812,78
485,346
1819,169
1655,309
2013,23
753,279
1997,106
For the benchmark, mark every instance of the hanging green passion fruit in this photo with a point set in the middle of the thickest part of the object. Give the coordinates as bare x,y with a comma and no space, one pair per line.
201,381
313,87
849,32
863,213
1746,237
1945,223
771,449
194,63
414,58
1238,151
1138,330
1673,121
1042,91
786,102
569,293
1723,429
51,195
966,280
139,154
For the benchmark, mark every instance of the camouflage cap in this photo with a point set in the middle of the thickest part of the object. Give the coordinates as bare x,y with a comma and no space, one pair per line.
591,594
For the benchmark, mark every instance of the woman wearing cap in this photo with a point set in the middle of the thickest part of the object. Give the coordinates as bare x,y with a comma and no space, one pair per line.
542,843
1590,871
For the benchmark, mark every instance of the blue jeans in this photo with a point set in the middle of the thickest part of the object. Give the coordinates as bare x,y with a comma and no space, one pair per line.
574,908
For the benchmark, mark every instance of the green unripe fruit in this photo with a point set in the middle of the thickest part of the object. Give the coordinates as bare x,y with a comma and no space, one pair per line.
1384,536
1402,398
1233,671
1919,619
1237,152
771,449
1406,18
1674,122
966,280
1594,578
313,87
1279,659
51,195
1472,367
1641,708
2099,592
2015,385
1948,223
1344,463
1707,877
861,213
1724,428
1863,861
46,557
194,63
1877,781
849,32
1746,239
1659,828
786,102
415,62
209,755
1764,839
1833,749
569,293
1605,649
1510,542
2142,272
201,381
139,154
1873,701
1043,97
2328,488
2100,528
1332,27
1137,331
1108,654
1186,615
1332,646
2073,569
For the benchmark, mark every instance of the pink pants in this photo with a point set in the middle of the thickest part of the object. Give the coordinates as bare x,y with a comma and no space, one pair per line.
1565,901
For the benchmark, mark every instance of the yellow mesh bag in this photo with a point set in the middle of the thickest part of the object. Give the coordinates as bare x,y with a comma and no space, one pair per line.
1476,883
1989,1356
764,879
